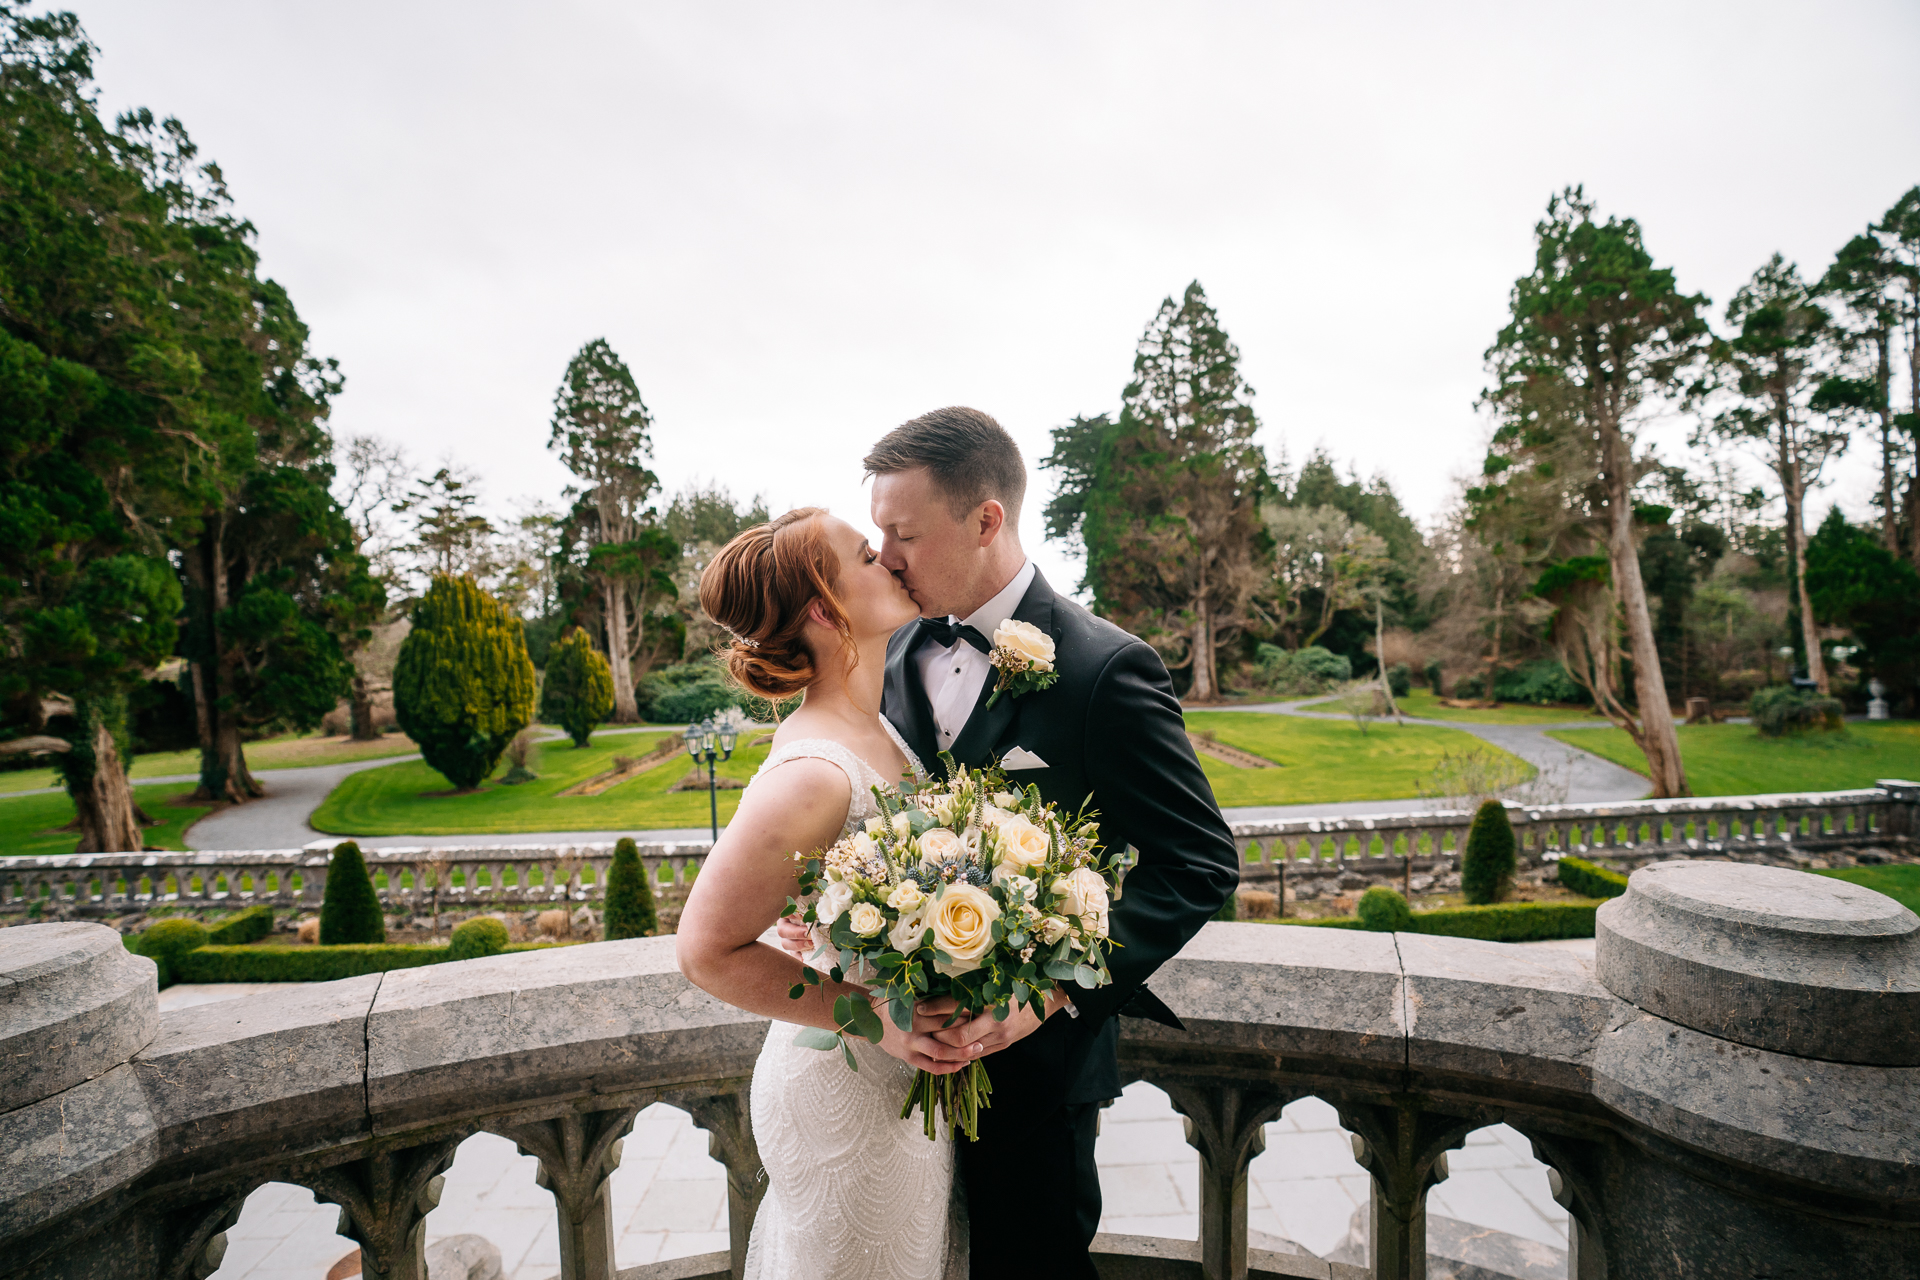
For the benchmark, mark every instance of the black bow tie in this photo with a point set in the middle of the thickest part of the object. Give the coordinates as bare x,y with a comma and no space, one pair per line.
944,633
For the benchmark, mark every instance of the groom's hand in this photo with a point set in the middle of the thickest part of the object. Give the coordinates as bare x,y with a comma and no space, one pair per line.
923,1047
795,936
984,1035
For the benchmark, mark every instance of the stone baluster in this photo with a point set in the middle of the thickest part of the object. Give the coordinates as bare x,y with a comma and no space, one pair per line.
1226,1124
728,1120
578,1152
1403,1145
384,1200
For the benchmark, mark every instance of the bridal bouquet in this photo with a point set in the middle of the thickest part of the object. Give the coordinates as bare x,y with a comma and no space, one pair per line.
964,889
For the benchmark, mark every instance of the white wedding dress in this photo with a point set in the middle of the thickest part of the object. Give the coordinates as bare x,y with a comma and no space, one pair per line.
854,1192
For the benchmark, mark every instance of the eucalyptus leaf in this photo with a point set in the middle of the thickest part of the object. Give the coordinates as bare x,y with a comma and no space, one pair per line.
901,1011
866,1022
816,1038
1085,976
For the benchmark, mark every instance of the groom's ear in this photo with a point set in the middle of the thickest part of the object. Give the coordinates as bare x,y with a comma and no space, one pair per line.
988,519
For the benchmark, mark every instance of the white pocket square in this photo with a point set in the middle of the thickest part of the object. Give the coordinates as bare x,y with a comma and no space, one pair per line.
1021,758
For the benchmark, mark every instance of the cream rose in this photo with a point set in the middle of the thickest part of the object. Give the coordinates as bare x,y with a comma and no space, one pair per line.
905,934
876,824
834,899
1027,640
1052,929
906,896
1022,845
1085,893
902,825
940,844
962,922
1008,799
865,919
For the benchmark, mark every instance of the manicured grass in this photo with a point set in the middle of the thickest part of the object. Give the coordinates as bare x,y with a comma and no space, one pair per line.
1323,759
1900,882
1734,760
395,800
30,825
291,751
1421,702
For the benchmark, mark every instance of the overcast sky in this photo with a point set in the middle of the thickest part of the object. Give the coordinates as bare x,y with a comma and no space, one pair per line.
802,224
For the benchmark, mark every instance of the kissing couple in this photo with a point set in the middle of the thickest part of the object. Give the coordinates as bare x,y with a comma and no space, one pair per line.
891,647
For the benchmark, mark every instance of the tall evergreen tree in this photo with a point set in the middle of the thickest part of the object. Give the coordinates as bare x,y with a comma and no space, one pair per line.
1864,280
1167,500
463,685
602,431
1770,363
1597,335
577,693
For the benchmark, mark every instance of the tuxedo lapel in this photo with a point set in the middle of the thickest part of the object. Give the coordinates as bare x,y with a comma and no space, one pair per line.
981,735
905,700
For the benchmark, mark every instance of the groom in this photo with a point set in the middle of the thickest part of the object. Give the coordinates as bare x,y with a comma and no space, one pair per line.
947,489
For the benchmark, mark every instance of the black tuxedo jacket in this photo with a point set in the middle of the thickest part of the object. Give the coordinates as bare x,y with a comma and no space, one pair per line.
1110,727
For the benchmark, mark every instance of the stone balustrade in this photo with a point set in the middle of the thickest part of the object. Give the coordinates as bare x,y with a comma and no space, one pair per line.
1729,1090
1630,834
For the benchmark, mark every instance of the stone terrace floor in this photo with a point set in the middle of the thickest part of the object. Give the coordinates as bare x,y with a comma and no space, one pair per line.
669,1196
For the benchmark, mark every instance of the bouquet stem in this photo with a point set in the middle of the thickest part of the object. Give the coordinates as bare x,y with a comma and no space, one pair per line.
958,1097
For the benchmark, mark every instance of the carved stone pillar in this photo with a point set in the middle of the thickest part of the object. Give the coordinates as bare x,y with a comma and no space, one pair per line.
728,1121
384,1200
578,1152
1226,1124
1404,1147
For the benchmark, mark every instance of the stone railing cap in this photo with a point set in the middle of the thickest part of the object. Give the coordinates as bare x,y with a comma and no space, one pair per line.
1773,898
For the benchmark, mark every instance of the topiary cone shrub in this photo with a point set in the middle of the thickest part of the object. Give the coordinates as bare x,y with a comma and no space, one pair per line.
483,936
1383,910
1487,868
350,912
577,693
463,684
166,942
629,911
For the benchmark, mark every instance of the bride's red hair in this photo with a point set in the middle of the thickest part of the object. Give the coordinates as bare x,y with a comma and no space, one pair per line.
759,587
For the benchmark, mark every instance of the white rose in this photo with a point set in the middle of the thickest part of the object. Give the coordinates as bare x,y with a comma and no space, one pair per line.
1085,893
1027,640
962,922
1007,799
1022,844
940,844
902,825
836,898
1052,929
863,846
865,919
905,934
906,896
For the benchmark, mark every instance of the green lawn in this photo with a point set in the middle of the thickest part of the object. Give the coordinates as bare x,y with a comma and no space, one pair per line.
1421,702
1323,759
398,799
30,825
291,751
1901,882
1734,760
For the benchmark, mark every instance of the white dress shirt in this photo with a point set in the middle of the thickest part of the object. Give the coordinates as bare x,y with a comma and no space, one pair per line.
953,677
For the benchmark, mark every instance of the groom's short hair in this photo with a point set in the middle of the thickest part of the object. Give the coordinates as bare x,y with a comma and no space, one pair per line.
970,457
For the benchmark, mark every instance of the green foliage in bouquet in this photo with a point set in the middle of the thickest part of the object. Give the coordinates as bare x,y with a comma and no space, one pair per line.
963,889
577,693
1487,867
350,912
630,910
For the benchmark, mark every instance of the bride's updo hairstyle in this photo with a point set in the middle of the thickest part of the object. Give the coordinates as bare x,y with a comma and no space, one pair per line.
759,586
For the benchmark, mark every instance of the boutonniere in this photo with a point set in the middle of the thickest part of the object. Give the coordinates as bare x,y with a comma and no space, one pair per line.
1023,656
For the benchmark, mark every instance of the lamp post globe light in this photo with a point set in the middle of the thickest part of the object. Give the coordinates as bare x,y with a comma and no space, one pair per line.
711,743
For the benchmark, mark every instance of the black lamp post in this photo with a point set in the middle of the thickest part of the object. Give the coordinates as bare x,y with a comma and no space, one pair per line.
705,741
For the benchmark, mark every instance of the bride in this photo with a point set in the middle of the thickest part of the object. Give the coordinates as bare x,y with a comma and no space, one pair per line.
854,1191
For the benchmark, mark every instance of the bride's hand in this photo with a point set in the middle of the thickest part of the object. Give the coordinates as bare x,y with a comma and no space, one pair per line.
921,1047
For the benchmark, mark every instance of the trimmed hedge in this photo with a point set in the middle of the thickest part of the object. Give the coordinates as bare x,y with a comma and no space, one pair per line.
350,910
1383,910
314,964
250,925
1496,922
1486,868
1591,879
630,911
481,936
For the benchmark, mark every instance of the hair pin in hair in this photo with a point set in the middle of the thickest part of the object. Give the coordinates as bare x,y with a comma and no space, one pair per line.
748,641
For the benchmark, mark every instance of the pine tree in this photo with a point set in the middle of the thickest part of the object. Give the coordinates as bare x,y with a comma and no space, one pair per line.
630,911
1167,500
463,685
1486,867
350,912
577,691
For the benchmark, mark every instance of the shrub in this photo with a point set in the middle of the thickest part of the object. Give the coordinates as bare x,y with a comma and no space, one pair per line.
1433,678
1400,679
463,684
1783,711
167,943
1301,671
1590,879
304,964
1383,910
695,702
1467,688
1499,922
350,911
630,912
483,936
577,693
1539,683
1486,868
250,925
